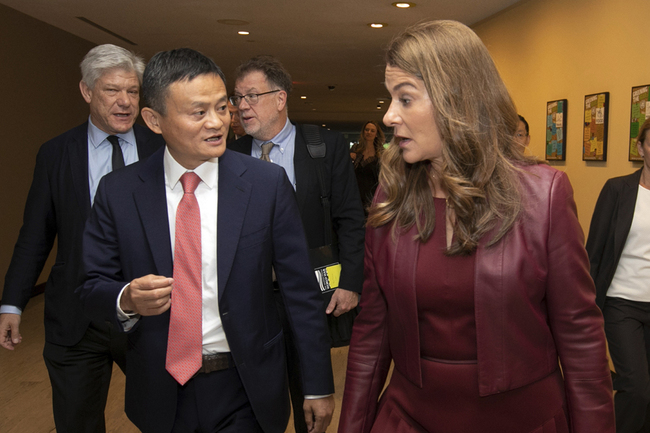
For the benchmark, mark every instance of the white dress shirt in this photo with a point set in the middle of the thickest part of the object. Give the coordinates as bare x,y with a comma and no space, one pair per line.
214,337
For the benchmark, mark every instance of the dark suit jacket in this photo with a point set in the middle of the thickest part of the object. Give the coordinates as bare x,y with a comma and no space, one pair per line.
346,208
534,302
58,205
610,225
258,226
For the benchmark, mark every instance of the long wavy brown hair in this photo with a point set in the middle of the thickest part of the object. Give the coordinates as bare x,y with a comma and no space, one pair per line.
477,120
378,143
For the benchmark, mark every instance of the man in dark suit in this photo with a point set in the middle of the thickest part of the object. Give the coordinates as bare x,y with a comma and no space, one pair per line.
79,354
206,347
261,90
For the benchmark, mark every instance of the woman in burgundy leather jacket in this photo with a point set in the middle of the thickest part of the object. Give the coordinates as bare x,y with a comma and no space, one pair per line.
477,282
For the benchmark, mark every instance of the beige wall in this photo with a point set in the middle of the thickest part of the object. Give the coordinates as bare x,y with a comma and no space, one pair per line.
39,76
566,49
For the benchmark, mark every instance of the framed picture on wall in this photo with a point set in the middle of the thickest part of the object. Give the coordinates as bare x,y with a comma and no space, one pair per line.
638,114
594,141
556,114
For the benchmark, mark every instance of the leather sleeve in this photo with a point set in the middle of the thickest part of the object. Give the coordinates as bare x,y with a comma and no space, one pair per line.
369,357
574,319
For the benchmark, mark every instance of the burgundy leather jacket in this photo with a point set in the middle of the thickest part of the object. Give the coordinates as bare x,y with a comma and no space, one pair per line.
534,304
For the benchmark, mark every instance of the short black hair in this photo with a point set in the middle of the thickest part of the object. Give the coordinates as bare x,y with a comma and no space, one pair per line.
272,69
525,123
169,67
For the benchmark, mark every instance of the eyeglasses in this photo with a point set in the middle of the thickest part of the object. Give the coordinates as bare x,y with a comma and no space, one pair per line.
251,98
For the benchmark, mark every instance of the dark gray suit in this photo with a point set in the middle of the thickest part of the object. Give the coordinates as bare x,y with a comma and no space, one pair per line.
57,207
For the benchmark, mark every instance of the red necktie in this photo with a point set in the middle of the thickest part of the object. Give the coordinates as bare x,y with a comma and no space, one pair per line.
185,340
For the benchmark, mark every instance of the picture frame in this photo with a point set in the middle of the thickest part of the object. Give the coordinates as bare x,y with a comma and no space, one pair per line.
556,126
596,120
639,112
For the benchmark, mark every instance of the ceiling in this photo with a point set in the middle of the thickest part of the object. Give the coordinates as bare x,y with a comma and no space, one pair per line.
334,57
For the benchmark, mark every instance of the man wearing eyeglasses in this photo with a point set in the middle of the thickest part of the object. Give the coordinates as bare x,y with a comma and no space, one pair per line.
262,87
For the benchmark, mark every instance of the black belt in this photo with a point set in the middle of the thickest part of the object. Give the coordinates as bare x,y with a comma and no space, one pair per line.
216,362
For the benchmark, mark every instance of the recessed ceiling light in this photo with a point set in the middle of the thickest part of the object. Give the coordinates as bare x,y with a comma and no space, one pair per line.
243,33
323,125
381,102
378,107
377,25
303,97
403,5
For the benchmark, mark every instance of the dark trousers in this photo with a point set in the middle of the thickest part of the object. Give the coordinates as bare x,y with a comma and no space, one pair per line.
80,376
293,367
214,402
627,326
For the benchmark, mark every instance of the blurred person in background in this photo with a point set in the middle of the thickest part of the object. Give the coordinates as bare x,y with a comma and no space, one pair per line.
365,156
522,135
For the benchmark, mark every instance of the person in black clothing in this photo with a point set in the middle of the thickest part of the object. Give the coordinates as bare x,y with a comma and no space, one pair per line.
365,155
618,250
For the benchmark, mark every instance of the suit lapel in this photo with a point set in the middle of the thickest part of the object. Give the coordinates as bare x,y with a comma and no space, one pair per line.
626,211
151,202
234,195
78,151
304,170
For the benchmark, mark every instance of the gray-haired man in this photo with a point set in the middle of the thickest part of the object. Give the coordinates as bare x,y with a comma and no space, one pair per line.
79,354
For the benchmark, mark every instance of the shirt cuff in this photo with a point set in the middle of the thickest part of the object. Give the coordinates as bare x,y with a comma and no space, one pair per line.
316,397
10,309
128,320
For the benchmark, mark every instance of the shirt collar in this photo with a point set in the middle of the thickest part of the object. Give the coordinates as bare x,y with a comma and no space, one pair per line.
207,171
281,140
97,136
